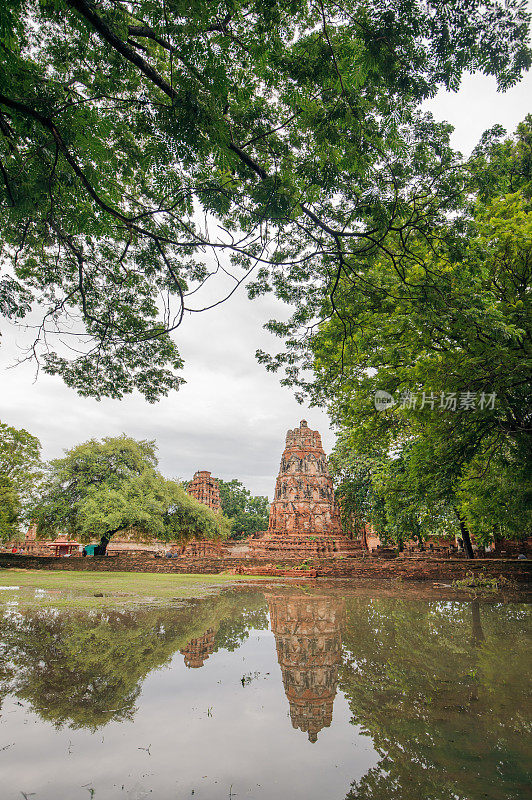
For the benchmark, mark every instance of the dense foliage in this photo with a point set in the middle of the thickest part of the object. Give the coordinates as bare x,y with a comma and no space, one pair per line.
9,510
101,488
426,367
20,474
248,514
146,147
379,494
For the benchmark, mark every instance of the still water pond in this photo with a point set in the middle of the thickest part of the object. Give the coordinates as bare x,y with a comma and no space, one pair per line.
283,693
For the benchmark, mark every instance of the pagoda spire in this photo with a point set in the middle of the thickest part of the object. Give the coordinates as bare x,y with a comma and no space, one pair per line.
304,516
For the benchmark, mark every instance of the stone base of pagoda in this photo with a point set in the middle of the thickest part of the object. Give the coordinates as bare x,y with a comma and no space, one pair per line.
303,546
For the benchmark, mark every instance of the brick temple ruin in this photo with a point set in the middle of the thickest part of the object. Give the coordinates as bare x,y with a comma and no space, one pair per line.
304,537
205,488
304,516
197,651
307,630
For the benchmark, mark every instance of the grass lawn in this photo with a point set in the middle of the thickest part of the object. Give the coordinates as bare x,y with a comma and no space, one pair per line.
65,589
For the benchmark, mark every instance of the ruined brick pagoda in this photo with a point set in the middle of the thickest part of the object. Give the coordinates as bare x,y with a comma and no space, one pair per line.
307,630
304,517
197,651
205,489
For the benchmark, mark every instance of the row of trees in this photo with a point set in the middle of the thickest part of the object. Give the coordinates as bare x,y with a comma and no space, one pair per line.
102,488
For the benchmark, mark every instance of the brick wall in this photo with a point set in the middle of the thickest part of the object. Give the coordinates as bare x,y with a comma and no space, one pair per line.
363,568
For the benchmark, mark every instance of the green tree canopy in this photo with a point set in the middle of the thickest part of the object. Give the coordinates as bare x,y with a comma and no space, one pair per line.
248,514
9,510
21,471
141,146
382,492
104,487
447,335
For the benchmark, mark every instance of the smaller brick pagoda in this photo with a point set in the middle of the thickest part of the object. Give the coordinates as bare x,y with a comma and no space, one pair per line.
198,650
205,489
304,517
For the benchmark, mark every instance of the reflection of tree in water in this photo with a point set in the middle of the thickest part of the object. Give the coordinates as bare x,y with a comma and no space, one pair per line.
234,629
231,632
442,690
84,669
309,649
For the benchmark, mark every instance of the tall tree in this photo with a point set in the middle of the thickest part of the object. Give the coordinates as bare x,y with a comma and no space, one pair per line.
248,514
103,488
146,147
430,357
21,471
383,492
9,510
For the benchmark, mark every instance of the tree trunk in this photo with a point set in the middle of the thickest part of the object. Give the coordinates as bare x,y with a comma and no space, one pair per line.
464,533
364,538
101,549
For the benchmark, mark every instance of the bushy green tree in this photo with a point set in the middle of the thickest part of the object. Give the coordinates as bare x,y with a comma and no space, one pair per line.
101,488
134,140
248,514
383,492
21,471
354,488
9,510
495,495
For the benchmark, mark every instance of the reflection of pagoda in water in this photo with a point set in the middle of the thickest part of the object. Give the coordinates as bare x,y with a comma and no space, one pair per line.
198,650
309,648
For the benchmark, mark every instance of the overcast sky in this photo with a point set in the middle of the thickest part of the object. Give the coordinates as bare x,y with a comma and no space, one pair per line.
231,416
